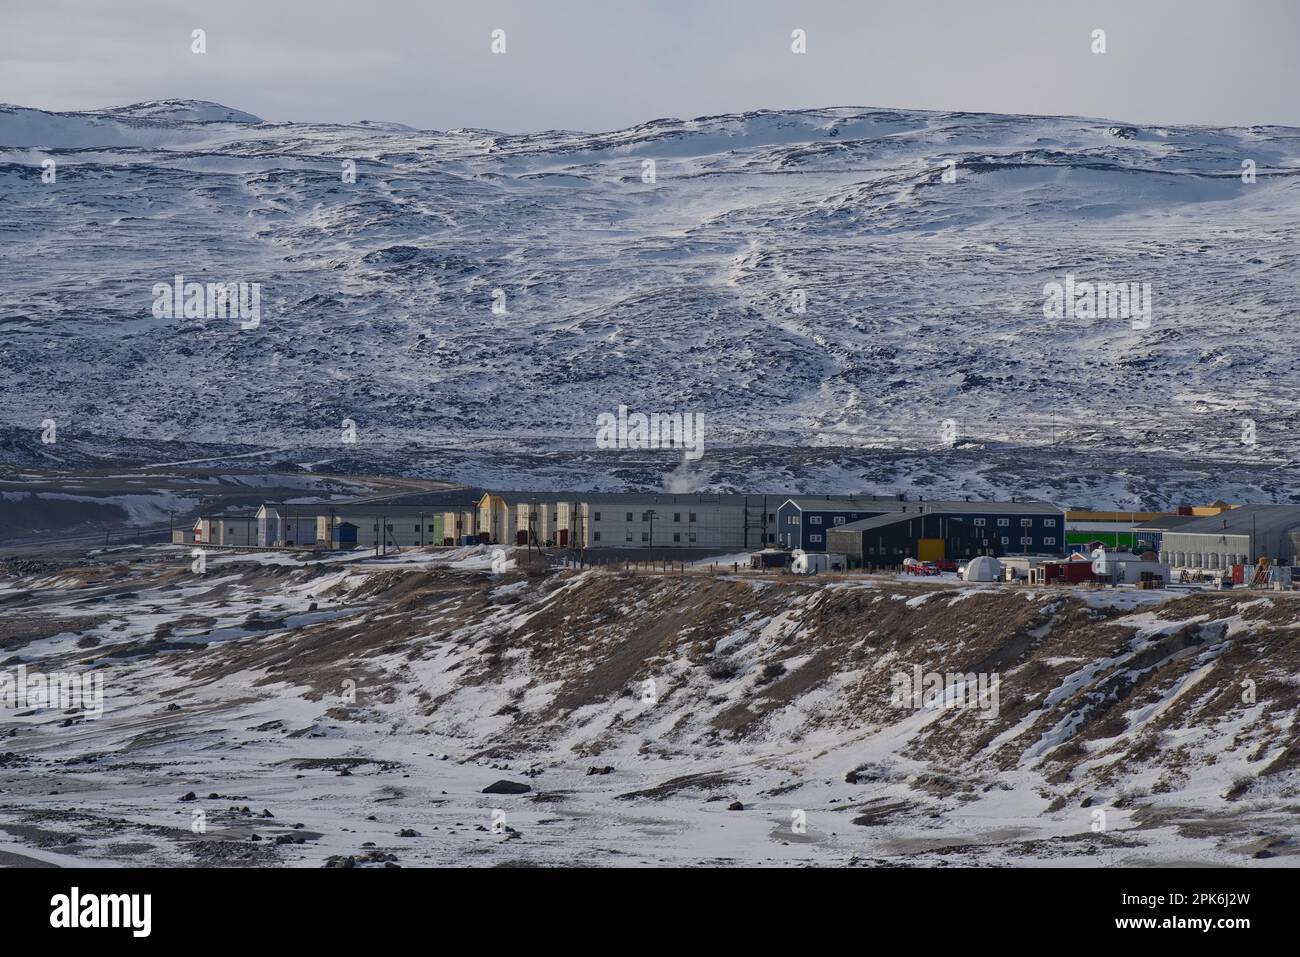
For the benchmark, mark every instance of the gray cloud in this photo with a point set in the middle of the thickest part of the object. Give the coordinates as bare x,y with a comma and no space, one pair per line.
582,64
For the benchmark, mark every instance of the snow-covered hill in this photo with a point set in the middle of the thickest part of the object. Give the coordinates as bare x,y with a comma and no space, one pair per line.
682,719
671,292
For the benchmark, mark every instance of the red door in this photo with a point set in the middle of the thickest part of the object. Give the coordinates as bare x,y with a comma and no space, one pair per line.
564,537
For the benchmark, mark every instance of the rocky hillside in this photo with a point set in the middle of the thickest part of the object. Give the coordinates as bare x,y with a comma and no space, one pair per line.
805,279
701,717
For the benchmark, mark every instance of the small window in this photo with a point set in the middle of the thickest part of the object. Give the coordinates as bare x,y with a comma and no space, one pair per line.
1026,522
1049,541
677,536
814,538
979,522
677,516
692,516
374,527
769,538
430,528
596,516
645,516
417,529
1049,523
645,536
629,516
595,536
838,520
389,526
814,519
1003,522
771,518
1005,540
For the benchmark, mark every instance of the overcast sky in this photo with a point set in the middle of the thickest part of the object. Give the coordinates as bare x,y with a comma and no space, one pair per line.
605,64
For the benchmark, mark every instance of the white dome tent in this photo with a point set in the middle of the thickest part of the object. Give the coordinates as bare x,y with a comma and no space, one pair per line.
984,568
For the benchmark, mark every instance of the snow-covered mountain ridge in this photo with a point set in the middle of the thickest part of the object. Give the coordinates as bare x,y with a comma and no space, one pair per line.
803,279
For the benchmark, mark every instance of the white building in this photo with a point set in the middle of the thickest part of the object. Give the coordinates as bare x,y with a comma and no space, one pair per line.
419,520
629,520
225,529
1239,536
652,520
1125,568
285,526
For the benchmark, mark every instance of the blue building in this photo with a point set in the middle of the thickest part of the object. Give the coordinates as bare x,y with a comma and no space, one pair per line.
1000,528
804,521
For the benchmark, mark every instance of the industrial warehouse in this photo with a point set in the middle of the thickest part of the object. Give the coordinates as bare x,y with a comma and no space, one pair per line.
1024,540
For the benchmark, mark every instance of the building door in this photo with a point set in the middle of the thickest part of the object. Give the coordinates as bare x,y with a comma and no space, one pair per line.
929,549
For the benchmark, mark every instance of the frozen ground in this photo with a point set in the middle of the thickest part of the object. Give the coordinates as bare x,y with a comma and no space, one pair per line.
923,298
352,708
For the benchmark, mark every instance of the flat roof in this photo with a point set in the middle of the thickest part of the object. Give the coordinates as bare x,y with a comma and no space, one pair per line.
1165,522
1260,519
447,498
669,498
918,506
866,500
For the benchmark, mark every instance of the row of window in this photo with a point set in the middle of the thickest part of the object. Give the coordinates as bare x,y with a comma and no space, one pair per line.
871,549
645,536
840,520
1027,540
389,527
645,516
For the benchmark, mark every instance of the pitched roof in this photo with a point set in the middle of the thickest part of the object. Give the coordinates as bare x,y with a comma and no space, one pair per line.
880,521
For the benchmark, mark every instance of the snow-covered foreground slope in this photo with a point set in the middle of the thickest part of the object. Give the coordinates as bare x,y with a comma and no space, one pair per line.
671,292
303,713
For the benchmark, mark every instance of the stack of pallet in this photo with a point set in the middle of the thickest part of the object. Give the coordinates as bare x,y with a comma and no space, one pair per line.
1261,577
